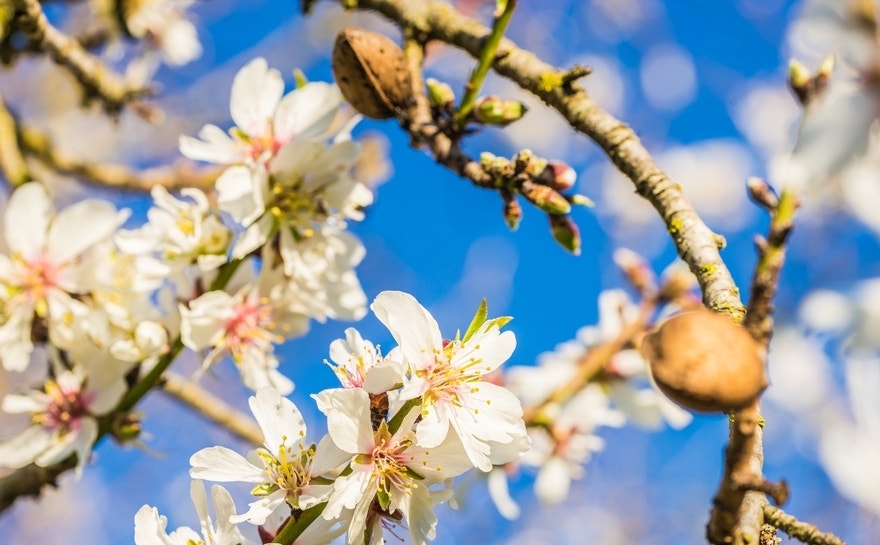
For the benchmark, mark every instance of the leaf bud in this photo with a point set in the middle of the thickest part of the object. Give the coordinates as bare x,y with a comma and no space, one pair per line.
126,428
512,210
440,94
544,197
493,110
762,193
566,232
495,165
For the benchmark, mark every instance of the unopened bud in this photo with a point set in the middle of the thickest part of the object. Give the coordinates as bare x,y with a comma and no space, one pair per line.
566,232
512,210
498,111
546,198
439,93
581,200
809,88
677,284
761,192
126,428
558,175
495,165
636,270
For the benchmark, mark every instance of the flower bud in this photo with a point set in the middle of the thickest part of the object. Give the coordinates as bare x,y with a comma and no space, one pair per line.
762,193
558,175
706,362
636,269
126,428
495,165
498,111
440,94
512,210
566,232
545,198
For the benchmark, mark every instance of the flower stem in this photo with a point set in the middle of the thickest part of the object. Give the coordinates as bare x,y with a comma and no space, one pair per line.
295,527
487,57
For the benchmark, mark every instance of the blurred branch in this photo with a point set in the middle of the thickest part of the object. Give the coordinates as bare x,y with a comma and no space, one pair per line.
30,480
12,162
37,144
737,512
802,531
211,407
98,81
696,243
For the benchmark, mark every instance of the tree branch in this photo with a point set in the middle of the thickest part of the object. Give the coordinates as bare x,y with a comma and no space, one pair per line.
695,242
38,145
98,81
211,407
802,531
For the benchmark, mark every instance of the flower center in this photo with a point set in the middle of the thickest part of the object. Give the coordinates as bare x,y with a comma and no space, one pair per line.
34,280
249,328
67,405
288,469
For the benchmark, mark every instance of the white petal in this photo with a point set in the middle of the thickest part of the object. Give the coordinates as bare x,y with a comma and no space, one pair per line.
23,448
256,91
261,509
149,527
27,217
278,417
224,465
500,494
411,325
307,111
348,418
215,146
81,226
553,482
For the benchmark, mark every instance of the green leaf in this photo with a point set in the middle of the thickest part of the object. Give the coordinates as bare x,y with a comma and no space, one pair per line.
500,321
478,321
299,78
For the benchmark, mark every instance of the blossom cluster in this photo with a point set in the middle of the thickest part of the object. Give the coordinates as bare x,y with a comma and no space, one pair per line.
91,308
400,427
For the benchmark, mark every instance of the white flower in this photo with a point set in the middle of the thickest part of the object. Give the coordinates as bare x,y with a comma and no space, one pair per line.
359,364
264,120
245,325
149,526
447,377
390,472
282,468
48,260
63,413
164,25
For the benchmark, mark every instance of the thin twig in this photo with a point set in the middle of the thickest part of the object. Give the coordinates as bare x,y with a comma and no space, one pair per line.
11,160
98,81
191,394
695,242
484,63
802,531
37,144
736,512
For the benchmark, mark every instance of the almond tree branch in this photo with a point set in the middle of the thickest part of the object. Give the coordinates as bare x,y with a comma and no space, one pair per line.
211,407
737,513
802,531
36,144
98,81
696,243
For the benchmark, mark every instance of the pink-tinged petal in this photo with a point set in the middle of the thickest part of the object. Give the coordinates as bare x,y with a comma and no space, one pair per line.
21,450
348,418
411,325
261,509
307,111
224,465
215,147
80,226
554,481
149,527
26,219
256,92
278,417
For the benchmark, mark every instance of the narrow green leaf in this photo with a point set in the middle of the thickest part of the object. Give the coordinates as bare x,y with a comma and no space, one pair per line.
478,321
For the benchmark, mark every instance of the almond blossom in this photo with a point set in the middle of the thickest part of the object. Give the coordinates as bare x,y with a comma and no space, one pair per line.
64,413
282,469
245,324
149,526
48,260
390,472
447,379
359,364
265,120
